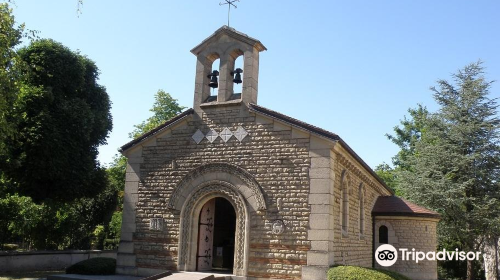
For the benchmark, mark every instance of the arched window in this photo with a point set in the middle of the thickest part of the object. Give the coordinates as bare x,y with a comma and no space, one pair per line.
383,235
344,208
361,209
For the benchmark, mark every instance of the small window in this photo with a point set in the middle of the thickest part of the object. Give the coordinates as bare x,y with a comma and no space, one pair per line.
383,235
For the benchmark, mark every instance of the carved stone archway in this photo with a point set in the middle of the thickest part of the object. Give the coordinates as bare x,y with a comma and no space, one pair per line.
233,174
188,233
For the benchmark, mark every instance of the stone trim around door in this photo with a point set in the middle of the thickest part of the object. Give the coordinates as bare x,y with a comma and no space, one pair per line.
188,240
237,176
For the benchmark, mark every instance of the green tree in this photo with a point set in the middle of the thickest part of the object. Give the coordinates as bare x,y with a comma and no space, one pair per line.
164,108
10,76
454,166
62,115
408,134
388,175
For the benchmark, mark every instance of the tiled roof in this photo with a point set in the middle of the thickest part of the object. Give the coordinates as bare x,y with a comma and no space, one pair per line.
396,206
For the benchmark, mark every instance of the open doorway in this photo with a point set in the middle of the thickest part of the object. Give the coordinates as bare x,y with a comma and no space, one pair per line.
216,236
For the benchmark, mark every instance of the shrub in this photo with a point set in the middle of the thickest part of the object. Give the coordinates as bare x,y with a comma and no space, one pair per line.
94,266
111,244
361,273
10,247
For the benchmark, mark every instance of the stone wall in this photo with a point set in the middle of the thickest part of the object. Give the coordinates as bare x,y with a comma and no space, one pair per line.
47,260
409,233
352,247
278,160
299,173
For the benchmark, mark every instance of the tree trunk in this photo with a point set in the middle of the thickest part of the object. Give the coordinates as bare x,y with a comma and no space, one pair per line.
491,256
470,270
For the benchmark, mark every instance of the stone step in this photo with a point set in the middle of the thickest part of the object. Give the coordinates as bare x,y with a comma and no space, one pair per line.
196,276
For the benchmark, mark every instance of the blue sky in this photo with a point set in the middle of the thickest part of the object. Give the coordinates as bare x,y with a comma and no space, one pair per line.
351,67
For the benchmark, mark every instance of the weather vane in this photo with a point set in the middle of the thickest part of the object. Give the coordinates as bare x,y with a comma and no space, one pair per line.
229,3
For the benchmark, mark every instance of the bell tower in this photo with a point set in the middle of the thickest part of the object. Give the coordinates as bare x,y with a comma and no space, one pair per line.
226,44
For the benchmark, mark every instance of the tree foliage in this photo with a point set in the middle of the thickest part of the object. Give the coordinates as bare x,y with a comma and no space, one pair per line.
10,72
408,135
388,175
53,117
164,108
453,167
62,115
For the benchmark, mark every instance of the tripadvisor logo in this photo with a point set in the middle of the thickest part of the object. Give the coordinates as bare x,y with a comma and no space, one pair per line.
386,255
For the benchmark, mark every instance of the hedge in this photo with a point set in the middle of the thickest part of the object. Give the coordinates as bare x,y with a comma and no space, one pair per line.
94,266
361,273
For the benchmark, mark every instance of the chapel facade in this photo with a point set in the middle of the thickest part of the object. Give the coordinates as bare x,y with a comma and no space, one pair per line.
232,186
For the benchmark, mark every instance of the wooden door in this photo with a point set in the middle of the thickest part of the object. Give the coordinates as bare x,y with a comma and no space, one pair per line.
206,236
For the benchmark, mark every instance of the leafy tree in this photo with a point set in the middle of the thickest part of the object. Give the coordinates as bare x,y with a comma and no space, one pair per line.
116,177
164,108
388,175
454,166
70,225
408,134
10,75
18,217
63,116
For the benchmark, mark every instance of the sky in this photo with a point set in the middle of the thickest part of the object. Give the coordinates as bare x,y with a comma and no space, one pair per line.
350,67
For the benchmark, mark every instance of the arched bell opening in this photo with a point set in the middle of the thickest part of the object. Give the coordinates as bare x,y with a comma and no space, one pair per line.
237,75
216,236
213,78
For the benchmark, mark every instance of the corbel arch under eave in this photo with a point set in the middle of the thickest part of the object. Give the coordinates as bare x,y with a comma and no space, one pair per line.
233,174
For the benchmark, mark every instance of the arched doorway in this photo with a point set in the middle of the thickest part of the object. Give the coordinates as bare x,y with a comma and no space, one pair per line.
216,236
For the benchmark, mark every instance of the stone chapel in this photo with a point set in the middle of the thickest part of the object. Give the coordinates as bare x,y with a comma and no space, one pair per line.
233,186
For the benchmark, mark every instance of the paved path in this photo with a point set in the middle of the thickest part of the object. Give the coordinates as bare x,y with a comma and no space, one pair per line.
91,277
175,276
193,276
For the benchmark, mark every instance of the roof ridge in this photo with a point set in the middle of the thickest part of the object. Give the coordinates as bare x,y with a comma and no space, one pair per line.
157,129
398,206
320,131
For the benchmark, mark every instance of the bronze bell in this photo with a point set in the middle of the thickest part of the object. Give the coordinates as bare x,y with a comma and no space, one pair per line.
237,77
213,79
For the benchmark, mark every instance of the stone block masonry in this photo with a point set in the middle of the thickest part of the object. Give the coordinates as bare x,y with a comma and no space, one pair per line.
278,162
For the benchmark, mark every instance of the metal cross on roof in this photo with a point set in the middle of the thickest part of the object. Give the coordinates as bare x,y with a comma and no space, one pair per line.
229,3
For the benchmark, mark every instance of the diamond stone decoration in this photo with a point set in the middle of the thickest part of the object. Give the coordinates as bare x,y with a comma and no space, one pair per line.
212,135
226,134
240,133
198,136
